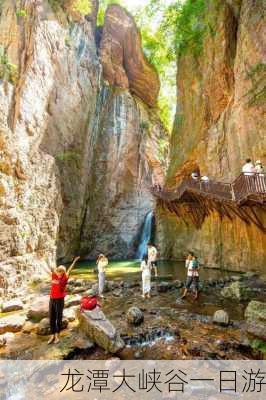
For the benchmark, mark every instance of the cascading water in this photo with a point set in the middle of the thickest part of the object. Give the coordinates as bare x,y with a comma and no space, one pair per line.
145,236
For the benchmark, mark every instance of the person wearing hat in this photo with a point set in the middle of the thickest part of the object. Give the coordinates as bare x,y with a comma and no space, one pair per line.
59,277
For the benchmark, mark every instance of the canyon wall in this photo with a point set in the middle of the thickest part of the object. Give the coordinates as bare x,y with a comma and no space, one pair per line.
78,153
128,152
219,123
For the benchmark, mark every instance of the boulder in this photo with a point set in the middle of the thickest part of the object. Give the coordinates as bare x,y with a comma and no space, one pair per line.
29,327
72,300
78,289
256,311
12,305
163,287
43,328
178,284
117,292
70,314
135,316
221,317
12,323
237,290
100,330
255,315
39,309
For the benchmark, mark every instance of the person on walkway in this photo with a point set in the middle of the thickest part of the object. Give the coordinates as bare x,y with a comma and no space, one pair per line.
146,277
59,278
195,176
248,168
259,167
152,257
192,265
260,177
102,263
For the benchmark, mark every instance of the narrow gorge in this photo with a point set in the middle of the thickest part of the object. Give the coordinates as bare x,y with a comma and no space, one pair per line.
82,142
125,124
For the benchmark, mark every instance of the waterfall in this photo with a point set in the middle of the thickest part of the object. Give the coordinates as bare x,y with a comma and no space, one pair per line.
145,236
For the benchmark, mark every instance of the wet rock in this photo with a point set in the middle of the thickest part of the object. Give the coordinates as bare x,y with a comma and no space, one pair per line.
255,315
163,287
43,328
12,305
12,323
211,282
39,309
236,278
100,330
237,290
178,284
221,317
134,316
79,282
250,275
117,292
131,285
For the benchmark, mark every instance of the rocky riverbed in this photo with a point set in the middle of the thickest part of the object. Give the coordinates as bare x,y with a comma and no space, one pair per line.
227,322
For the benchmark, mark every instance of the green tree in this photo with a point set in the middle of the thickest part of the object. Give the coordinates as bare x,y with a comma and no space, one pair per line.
103,4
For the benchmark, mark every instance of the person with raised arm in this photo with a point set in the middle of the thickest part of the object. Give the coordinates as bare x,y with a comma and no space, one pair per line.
59,276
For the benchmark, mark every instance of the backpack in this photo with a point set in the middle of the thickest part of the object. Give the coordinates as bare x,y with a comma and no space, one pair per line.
88,303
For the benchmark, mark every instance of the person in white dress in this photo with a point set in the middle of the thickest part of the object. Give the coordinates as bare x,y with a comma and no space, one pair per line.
145,268
152,257
102,263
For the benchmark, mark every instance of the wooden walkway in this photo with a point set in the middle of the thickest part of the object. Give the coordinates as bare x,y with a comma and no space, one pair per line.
244,198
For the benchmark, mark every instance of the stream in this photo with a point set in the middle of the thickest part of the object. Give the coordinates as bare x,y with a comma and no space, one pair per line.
172,329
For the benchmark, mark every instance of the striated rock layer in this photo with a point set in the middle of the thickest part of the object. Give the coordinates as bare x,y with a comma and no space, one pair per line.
127,160
122,57
77,157
219,123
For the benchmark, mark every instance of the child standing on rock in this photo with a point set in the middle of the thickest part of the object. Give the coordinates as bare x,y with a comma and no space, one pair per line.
59,277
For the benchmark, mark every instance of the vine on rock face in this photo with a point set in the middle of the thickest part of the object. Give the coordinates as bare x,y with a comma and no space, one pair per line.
8,71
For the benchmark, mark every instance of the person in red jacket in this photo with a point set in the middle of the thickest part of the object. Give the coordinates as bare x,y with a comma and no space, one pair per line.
59,277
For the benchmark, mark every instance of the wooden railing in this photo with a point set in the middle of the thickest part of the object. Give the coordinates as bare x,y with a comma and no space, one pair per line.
238,191
247,185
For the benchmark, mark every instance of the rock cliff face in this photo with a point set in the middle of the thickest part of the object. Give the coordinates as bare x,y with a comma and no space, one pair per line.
71,147
126,161
219,123
122,57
